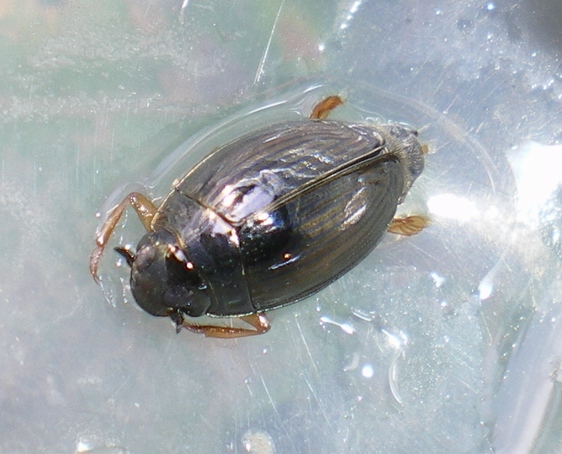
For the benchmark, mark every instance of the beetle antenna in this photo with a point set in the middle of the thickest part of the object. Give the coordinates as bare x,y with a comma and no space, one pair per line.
126,253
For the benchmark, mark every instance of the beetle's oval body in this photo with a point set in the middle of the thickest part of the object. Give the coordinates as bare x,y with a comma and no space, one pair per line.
280,213
271,217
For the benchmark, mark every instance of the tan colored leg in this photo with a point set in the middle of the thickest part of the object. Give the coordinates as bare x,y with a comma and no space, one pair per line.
324,107
408,226
258,320
145,210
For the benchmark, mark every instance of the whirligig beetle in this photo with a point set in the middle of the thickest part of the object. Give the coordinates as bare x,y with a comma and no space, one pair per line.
269,219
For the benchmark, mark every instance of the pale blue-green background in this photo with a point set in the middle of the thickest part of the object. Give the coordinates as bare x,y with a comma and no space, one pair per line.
446,342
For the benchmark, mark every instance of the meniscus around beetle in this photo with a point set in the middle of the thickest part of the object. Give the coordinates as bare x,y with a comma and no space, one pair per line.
269,219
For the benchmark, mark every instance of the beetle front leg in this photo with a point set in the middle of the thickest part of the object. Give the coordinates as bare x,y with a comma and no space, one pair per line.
259,321
145,210
408,226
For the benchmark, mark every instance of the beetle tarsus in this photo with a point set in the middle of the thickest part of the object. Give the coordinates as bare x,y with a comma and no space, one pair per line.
258,321
94,261
408,226
324,107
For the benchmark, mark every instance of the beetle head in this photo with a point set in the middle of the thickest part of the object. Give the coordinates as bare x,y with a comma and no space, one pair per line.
163,281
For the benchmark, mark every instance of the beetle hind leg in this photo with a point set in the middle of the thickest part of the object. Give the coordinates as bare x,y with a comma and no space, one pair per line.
408,226
324,107
258,321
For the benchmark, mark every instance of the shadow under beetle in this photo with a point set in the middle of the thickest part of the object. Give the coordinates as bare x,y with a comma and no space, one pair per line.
269,219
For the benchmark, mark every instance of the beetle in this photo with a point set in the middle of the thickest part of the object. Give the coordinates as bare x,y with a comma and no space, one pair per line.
269,219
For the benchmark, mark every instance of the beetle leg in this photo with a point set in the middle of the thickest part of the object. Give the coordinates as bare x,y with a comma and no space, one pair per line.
408,226
324,107
145,210
258,320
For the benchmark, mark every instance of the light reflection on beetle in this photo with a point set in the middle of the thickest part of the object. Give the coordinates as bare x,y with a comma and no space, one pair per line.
269,219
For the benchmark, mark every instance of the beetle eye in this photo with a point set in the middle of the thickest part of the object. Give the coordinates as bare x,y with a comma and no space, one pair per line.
145,257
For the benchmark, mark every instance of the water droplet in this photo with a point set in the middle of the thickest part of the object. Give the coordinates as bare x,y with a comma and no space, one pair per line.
367,371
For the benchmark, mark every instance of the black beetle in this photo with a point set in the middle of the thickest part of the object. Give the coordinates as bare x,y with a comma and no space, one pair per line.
269,219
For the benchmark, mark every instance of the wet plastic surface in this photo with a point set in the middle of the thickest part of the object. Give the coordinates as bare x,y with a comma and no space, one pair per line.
445,342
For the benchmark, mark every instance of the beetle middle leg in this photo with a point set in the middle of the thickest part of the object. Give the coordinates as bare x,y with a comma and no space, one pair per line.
259,321
324,107
145,210
409,225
